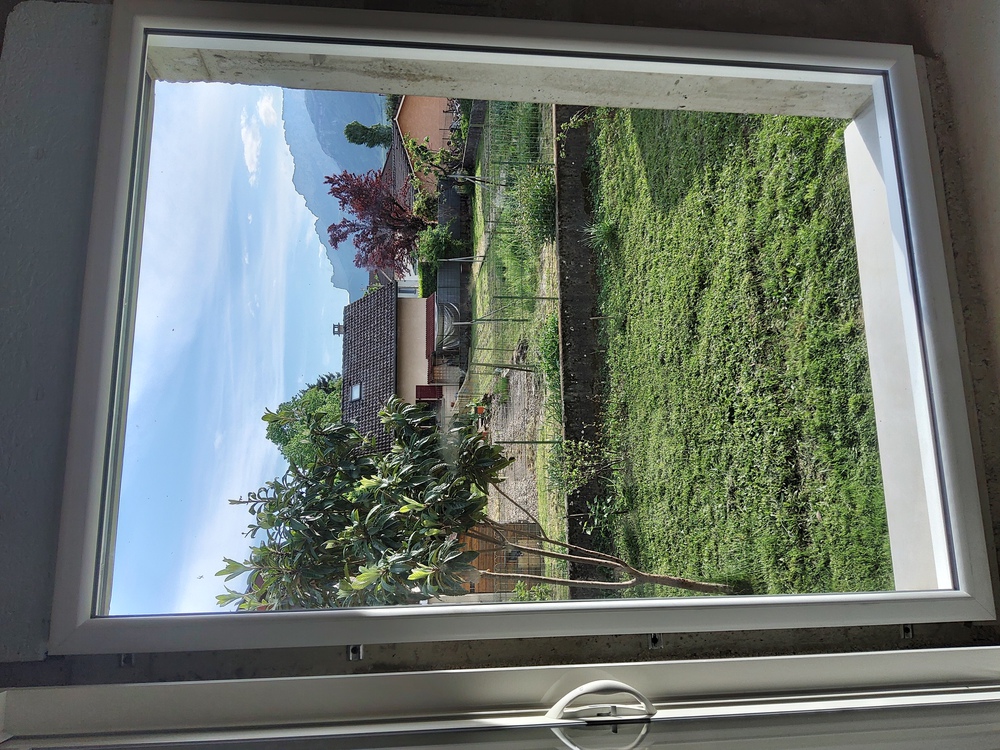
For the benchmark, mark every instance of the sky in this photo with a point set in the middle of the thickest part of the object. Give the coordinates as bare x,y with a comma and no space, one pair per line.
234,315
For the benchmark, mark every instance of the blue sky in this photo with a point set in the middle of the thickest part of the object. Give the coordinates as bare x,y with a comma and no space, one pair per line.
234,315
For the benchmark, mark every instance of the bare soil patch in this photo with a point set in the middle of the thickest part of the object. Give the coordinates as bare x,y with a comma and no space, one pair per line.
517,417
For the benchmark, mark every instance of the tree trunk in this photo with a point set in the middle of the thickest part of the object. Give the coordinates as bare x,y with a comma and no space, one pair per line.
687,584
662,580
584,556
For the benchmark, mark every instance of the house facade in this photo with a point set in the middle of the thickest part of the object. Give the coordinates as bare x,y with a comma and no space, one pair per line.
428,120
397,345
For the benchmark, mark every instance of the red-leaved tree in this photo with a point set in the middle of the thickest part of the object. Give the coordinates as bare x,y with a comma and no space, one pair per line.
384,229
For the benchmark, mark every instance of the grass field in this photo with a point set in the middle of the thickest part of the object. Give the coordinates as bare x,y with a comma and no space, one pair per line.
738,388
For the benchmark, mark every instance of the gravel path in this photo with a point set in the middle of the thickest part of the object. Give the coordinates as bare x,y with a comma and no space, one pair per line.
518,418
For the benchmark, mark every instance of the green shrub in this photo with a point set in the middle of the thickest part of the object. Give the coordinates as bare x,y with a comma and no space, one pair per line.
425,205
551,366
548,348
426,279
464,113
501,391
532,196
576,463
524,593
392,104
435,244
600,235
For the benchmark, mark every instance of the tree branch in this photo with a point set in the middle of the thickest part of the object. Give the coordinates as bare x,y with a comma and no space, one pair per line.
561,581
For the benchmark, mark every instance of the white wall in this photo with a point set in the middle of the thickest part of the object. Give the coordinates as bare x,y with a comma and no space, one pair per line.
51,76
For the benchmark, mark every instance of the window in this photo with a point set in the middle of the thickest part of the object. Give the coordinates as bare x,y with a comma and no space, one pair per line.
924,439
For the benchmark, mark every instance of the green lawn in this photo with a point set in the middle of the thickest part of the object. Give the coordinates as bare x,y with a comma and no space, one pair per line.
738,387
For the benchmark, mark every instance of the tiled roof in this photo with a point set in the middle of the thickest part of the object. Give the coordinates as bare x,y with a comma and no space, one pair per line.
397,170
370,360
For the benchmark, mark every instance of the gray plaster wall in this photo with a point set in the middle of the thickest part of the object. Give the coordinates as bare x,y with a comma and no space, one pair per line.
48,131
51,74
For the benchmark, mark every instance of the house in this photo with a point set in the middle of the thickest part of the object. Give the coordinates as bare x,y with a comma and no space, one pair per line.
425,119
420,118
397,345
51,80
429,120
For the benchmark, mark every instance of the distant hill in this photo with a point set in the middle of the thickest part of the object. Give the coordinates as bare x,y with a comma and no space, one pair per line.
331,111
314,131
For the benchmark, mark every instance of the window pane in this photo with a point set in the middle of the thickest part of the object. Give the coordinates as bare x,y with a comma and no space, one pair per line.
634,338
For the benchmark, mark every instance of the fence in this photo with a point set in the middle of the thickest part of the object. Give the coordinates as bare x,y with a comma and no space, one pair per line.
512,373
511,291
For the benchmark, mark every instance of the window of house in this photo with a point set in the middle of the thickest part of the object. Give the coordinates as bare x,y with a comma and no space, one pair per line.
596,109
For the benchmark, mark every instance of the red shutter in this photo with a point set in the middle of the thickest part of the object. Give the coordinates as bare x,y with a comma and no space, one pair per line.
429,393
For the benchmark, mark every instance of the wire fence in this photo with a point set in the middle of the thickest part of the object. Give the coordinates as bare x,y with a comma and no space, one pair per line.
514,286
512,377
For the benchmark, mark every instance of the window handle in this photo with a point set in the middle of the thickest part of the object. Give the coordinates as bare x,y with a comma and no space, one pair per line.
605,712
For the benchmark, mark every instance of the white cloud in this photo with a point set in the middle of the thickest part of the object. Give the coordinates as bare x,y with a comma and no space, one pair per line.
243,454
245,459
266,111
209,316
250,135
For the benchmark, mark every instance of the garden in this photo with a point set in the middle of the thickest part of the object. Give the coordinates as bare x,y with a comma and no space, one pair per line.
665,384
733,433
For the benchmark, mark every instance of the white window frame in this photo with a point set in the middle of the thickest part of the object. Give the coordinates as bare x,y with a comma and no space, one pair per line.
858,691
576,59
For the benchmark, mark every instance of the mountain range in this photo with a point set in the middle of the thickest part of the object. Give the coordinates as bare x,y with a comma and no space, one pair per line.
314,130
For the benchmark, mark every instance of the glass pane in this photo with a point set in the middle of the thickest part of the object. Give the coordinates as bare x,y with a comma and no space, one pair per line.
456,350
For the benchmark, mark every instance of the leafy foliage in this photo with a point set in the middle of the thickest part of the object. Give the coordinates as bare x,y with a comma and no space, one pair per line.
289,426
441,162
524,593
464,115
372,136
392,105
383,228
437,243
352,527
579,462
427,276
532,198
425,205
600,235
547,343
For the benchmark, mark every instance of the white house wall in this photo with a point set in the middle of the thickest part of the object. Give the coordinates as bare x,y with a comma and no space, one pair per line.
411,346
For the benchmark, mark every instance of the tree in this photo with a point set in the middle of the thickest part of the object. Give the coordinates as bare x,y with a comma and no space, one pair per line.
372,136
384,229
353,527
288,426
444,163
